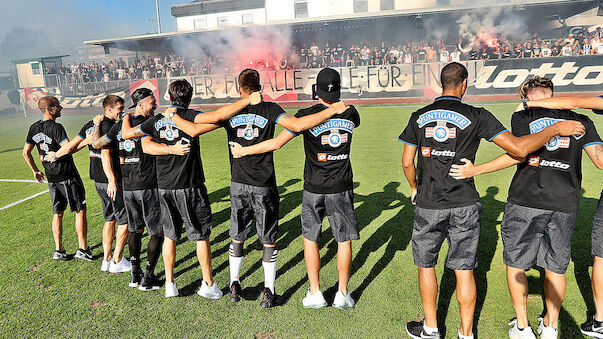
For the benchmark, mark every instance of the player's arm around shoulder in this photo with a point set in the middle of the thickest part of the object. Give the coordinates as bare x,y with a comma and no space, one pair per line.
227,111
265,146
153,148
129,132
593,146
298,124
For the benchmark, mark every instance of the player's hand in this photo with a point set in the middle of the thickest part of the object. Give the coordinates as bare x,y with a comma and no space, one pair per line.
168,111
462,171
112,189
39,176
339,107
180,149
255,98
570,127
236,150
50,156
413,196
98,118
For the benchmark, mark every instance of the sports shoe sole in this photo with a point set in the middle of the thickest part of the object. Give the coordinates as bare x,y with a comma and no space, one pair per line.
147,289
591,334
315,306
343,307
81,257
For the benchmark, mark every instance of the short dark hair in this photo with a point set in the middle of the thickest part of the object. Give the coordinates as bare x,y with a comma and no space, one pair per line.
111,100
453,75
249,80
47,102
534,83
181,92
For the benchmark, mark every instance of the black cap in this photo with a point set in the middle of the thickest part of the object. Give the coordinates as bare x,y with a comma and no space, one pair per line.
140,94
328,84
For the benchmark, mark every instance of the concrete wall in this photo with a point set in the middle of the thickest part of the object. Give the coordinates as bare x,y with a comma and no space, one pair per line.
26,77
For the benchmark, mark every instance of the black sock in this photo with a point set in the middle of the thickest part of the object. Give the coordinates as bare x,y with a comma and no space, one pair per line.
134,244
153,253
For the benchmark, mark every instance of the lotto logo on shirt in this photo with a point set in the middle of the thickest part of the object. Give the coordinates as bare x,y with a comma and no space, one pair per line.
426,151
534,161
322,156
121,160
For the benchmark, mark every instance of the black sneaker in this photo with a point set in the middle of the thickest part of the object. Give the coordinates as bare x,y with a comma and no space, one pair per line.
268,298
150,283
136,278
416,330
235,292
592,328
82,254
60,255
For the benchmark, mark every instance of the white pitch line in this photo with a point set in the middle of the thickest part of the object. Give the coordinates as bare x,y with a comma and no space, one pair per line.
17,180
22,200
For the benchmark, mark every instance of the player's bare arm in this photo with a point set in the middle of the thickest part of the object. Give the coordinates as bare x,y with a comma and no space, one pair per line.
265,146
410,171
296,124
129,132
469,170
38,175
595,153
98,140
151,147
520,147
108,169
69,147
565,103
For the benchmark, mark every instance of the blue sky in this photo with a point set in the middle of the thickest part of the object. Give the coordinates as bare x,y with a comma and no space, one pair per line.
71,21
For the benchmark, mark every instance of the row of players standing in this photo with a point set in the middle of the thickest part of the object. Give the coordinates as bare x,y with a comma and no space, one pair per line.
160,179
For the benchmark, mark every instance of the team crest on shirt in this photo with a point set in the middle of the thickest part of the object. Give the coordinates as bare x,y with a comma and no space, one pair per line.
90,130
335,127
251,122
127,145
167,129
441,132
556,142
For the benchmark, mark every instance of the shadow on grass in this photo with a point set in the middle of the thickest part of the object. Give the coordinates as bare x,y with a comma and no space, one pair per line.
488,238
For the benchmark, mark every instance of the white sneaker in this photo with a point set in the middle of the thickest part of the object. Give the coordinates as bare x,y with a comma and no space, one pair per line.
210,292
343,301
105,265
314,300
516,333
546,332
123,266
171,290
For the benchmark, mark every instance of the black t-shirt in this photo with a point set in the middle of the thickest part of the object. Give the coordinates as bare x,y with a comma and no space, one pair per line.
555,50
96,165
551,177
421,54
254,124
137,168
445,132
327,146
175,171
48,135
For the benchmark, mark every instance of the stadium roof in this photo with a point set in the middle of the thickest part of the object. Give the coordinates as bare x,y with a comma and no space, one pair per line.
22,61
543,9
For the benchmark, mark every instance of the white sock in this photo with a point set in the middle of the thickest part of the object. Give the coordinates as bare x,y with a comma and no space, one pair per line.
270,272
235,268
465,336
429,330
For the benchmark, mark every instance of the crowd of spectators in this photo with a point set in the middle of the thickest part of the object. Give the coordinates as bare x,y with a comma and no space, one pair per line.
315,56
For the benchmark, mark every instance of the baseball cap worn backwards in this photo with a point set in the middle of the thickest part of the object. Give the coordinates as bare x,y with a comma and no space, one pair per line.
139,95
328,84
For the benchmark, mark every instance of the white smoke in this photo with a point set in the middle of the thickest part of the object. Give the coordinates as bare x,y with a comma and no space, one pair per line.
489,27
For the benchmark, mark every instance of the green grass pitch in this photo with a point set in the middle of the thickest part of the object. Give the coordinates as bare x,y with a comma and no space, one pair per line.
43,298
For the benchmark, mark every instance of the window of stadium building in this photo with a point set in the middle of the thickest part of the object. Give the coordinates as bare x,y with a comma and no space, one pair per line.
301,8
222,21
360,6
199,23
247,18
387,5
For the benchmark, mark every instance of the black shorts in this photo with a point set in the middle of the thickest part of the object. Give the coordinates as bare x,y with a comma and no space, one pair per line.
247,200
339,209
535,237
143,210
69,191
189,206
459,225
597,234
112,209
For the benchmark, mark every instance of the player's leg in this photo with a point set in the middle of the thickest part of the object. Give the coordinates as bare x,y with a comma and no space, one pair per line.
344,226
57,231
152,218
312,214
554,256
241,219
463,239
76,195
108,236
429,232
172,228
594,327
81,227
193,204
108,227
522,231
119,263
